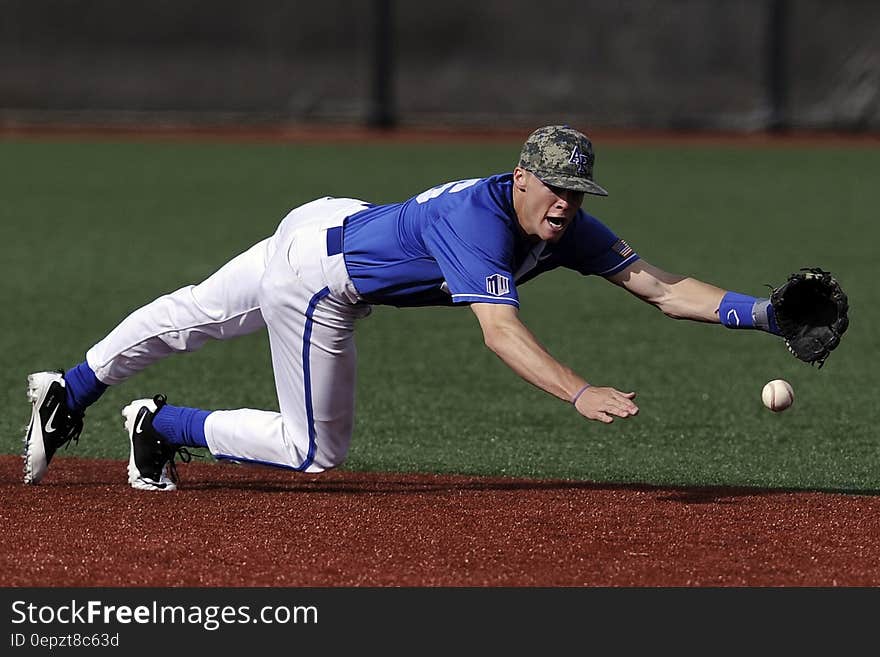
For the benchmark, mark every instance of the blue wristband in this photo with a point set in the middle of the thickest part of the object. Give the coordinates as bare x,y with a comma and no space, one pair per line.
740,311
735,310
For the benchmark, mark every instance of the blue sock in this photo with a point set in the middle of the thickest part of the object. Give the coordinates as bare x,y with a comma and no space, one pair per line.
82,387
180,425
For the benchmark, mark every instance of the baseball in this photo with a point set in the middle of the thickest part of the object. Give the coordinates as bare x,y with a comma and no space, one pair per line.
777,395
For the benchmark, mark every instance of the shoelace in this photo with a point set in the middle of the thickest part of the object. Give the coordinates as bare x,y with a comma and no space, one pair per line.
185,457
168,452
73,429
73,424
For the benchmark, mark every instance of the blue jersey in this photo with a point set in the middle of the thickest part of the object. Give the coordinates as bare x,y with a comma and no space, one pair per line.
461,243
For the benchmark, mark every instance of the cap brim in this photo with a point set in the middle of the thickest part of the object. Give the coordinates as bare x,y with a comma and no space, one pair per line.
576,184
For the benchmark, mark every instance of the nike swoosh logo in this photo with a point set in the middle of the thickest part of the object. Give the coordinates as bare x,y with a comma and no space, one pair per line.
139,427
49,426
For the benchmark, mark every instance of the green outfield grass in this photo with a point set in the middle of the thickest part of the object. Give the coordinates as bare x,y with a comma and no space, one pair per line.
90,231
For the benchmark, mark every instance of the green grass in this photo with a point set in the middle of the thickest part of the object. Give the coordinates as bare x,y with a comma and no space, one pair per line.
90,231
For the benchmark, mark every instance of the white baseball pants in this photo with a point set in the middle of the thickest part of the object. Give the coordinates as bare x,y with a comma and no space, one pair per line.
295,284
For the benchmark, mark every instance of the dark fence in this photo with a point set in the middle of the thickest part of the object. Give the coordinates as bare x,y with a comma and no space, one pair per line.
745,65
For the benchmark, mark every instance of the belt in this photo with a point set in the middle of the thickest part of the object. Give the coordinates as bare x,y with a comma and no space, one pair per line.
334,240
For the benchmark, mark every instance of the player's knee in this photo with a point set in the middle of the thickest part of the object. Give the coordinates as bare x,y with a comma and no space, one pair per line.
318,452
183,319
324,461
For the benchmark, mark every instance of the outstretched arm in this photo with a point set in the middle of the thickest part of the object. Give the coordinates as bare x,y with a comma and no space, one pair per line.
682,297
512,342
679,297
810,311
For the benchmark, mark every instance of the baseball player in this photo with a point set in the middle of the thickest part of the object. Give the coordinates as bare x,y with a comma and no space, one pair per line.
468,242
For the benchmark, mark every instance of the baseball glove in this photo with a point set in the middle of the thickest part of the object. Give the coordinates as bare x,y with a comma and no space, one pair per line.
811,311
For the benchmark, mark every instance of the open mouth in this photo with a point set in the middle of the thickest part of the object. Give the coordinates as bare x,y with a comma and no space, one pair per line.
556,222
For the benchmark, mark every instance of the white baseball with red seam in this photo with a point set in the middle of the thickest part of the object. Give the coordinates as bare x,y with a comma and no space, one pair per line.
777,395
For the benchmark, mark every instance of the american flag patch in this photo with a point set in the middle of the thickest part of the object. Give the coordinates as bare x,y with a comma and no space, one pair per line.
622,249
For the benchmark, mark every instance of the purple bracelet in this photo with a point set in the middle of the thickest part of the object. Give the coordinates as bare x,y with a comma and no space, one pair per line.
578,394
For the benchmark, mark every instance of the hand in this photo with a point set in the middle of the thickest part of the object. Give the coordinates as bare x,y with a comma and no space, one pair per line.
604,404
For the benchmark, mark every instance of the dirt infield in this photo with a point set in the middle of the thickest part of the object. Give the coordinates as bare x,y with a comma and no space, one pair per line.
247,526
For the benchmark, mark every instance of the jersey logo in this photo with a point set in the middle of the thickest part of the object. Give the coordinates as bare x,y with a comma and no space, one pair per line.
497,285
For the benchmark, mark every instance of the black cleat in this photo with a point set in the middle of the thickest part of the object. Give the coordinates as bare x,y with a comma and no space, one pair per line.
52,424
151,459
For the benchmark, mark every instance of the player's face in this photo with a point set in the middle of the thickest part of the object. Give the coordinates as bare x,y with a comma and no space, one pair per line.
544,211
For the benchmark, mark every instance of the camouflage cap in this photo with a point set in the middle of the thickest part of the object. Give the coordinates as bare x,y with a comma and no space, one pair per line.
561,156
